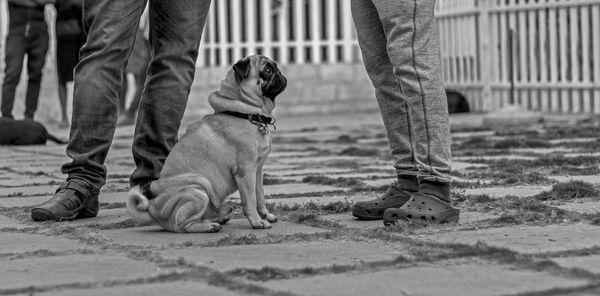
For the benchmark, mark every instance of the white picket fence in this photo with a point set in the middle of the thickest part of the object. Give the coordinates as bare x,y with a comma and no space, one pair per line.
554,64
290,31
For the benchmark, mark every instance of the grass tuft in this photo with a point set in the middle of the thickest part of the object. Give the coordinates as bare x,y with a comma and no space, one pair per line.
570,190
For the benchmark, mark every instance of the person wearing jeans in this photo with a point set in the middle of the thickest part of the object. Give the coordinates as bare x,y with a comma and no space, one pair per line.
175,33
27,35
400,50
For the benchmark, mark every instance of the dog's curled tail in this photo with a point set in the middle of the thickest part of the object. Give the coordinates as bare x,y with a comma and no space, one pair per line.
137,205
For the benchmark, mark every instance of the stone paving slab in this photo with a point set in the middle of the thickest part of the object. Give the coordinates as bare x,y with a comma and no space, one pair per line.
27,242
325,159
590,263
156,236
290,201
493,157
31,190
19,202
289,255
42,271
13,179
294,189
174,288
6,222
47,168
380,182
452,278
346,219
527,239
461,166
311,171
585,178
584,207
105,216
290,154
520,190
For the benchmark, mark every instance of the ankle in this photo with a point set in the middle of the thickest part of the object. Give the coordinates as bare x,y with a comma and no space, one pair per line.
408,183
440,190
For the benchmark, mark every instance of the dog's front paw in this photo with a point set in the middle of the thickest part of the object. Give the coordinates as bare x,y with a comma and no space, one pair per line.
270,217
261,224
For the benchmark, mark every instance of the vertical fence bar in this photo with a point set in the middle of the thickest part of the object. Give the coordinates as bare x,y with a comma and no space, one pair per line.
284,24
236,30
266,28
534,50
512,27
543,58
315,28
223,44
552,31
299,31
564,57
347,32
3,32
596,56
212,25
585,56
251,25
575,94
332,25
523,69
486,50
495,58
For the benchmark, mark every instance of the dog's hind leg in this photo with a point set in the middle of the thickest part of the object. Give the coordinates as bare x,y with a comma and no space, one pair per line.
189,208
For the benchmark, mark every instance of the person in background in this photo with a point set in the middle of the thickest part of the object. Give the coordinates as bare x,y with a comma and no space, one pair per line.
27,35
400,49
111,26
137,65
69,40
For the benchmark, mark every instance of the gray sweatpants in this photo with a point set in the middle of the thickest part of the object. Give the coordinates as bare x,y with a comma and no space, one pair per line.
400,48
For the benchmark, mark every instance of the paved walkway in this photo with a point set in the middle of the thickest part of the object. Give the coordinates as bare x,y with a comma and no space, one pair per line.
529,224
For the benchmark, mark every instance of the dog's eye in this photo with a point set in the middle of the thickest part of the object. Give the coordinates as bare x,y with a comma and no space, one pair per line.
268,70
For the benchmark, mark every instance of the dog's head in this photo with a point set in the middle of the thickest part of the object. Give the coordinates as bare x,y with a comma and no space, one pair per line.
261,72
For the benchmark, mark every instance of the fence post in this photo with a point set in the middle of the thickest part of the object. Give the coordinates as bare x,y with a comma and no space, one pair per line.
485,61
3,28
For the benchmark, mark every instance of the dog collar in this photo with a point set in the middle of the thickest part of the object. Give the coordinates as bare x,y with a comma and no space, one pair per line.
261,121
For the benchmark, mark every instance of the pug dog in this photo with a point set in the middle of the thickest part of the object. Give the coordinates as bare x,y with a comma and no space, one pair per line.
219,154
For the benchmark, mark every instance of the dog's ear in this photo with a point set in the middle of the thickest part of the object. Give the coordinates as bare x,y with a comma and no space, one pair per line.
241,69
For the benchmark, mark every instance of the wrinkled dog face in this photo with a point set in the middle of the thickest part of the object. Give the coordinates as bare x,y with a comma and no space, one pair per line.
265,71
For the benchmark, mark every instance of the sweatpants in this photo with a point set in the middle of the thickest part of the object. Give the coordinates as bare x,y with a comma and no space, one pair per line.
400,48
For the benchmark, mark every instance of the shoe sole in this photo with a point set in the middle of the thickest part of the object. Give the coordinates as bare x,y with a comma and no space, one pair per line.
448,217
45,215
367,217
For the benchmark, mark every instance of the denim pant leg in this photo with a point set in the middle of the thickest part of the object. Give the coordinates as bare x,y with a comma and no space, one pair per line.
36,58
111,27
16,46
393,107
412,46
175,32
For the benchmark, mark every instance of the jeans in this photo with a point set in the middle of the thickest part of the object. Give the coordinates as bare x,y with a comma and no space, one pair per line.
400,49
175,31
29,39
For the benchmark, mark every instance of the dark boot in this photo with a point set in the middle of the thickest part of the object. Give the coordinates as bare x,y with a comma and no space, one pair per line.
74,199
